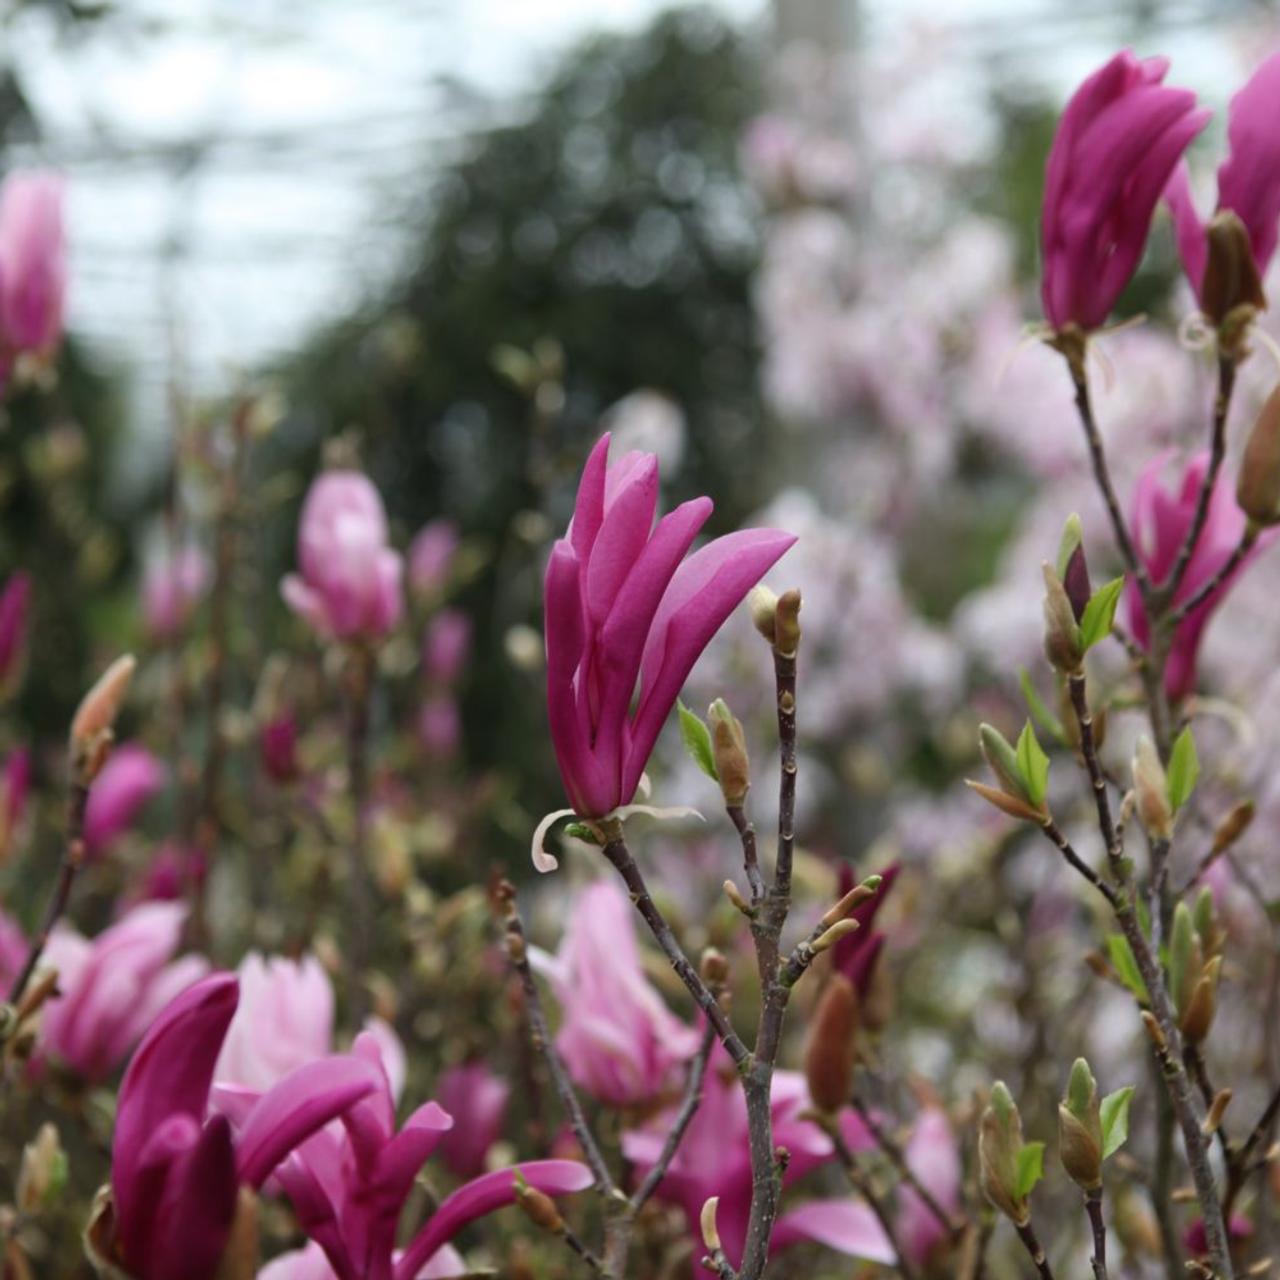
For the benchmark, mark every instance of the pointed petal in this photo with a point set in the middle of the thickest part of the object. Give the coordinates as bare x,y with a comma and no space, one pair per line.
847,1226
588,511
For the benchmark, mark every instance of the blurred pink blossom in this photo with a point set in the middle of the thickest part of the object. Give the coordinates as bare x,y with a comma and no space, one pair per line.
278,746
14,603
13,952
172,587
933,1155
32,262
440,725
477,1101
15,783
431,556
446,646
129,779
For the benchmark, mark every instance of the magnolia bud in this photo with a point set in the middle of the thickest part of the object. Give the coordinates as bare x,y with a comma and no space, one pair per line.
999,1142
714,967
1001,759
729,751
1230,272
707,1224
787,631
829,1052
1073,568
1203,1005
764,611
95,717
1186,958
1258,488
1232,827
1151,788
540,1209
1063,645
43,1171
1080,1129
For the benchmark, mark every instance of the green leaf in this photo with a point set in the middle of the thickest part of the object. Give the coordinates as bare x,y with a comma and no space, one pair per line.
1100,612
1183,770
1030,1167
1033,765
1125,965
697,741
1039,708
1115,1120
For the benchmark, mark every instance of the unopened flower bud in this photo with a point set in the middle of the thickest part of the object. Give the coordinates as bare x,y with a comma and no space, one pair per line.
734,894
1258,486
1080,1129
1230,273
43,1171
832,934
1203,1004
1232,827
1001,759
764,611
707,1224
1073,568
729,751
1208,930
1186,958
829,1053
1063,645
714,967
787,631
1151,788
540,1209
1014,806
999,1142
95,718
1217,1110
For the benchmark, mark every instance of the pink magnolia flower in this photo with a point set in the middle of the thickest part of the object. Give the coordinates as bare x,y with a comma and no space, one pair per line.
171,875
622,608
33,268
1117,142
278,745
111,987
13,952
349,1185
129,779
172,587
934,1157
1196,1238
477,1101
618,1039
350,580
714,1160
1159,521
855,956
15,783
175,1171
14,603
310,1263
440,725
431,556
1248,180
446,646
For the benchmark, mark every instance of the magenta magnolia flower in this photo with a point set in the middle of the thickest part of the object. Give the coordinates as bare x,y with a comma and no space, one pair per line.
13,627
310,1263
1248,180
349,1185
446,646
1117,142
477,1101
431,556
1159,521
618,1039
171,875
349,584
278,743
934,1157
111,987
171,588
855,956
129,779
33,267
621,607
714,1160
175,1172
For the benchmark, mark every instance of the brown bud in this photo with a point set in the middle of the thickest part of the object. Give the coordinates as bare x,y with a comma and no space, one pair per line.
540,1209
859,893
787,631
1230,273
94,719
43,1171
1258,486
734,894
1062,643
1232,827
714,967
829,1051
1151,788
999,1143
1152,1027
707,1224
832,934
1203,1005
729,750
1218,1109
1080,1129
1136,1225
1014,806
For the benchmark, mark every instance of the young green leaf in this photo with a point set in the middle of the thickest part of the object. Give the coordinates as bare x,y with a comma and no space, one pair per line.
697,741
1033,765
1115,1120
1125,965
1039,708
1030,1167
1100,612
1183,770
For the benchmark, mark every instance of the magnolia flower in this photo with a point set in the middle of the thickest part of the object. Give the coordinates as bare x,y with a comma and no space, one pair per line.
33,265
350,580
1159,521
310,1263
1248,181
477,1101
431,556
440,725
175,1173
171,875
934,1157
855,955
618,1039
111,987
130,778
714,1159
1116,145
621,607
348,1185
446,646
13,952
15,783
278,746
13,627
172,586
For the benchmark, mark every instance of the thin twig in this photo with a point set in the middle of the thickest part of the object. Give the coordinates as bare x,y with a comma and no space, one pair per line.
750,857
688,1109
1242,548
1026,1233
1051,829
1093,1206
